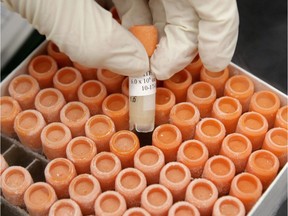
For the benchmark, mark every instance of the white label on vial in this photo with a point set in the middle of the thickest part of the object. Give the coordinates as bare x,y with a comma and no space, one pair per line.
141,86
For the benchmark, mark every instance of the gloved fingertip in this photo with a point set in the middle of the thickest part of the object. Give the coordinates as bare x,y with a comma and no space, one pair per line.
216,64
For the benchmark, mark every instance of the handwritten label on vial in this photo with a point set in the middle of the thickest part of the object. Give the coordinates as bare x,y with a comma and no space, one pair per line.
141,86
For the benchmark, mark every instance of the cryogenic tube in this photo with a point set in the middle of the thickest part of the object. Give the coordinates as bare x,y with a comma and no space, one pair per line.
14,182
84,189
49,102
125,86
165,100
149,160
59,173
81,150
110,203
75,115
157,200
61,58
228,205
202,193
211,132
247,188
92,93
179,84
167,138
217,79
266,103
185,116
130,183
276,141
112,81
254,126
142,90
67,80
220,170
24,89
175,176
86,72
38,198
105,166
183,208
281,119
3,164
65,207
228,110
28,125
55,138
136,211
100,129
193,154
263,164
240,87
124,145
43,68
194,68
202,95
237,148
9,110
116,106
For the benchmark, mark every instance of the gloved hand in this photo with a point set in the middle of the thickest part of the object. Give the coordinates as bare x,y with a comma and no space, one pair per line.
186,27
86,32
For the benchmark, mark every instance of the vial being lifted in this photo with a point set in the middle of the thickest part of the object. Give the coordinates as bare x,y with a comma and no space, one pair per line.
142,90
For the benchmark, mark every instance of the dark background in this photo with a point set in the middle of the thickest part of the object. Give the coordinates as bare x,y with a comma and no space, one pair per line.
261,47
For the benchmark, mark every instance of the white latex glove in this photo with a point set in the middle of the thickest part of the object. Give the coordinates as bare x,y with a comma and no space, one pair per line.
86,32
186,27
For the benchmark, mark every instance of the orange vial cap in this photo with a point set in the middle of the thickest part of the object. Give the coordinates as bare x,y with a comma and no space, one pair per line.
111,80
165,100
9,108
28,125
228,205
194,68
193,154
105,166
75,115
84,189
240,87
136,211
217,79
38,198
59,173
237,148
202,193
264,165
157,200
176,177
266,103
179,84
55,138
14,182
183,208
43,68
92,93
110,203
124,145
247,188
49,102
81,150
65,207
86,72
100,129
130,183
167,138
185,116
202,95
61,58
281,119
24,89
116,106
149,160
3,164
211,132
254,126
125,86
228,110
